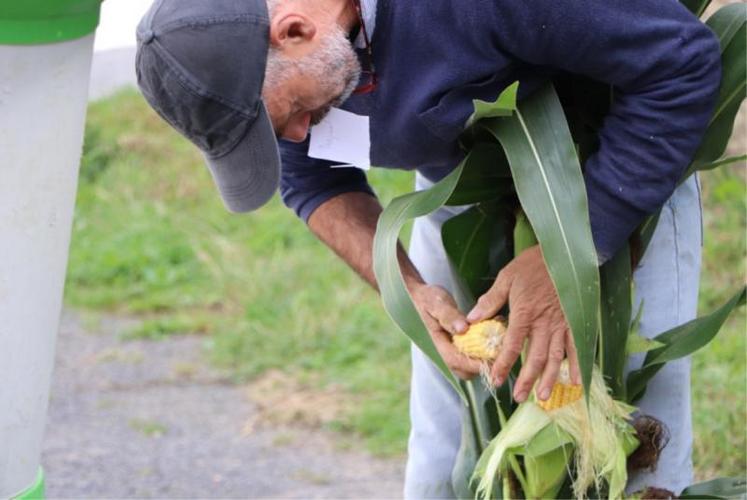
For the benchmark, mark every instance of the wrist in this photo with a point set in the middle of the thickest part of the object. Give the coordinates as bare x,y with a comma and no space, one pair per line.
414,284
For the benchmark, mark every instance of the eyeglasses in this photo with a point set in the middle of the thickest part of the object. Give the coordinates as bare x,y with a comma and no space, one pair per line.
367,83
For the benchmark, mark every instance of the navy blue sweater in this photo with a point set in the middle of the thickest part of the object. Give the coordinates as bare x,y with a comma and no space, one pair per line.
434,57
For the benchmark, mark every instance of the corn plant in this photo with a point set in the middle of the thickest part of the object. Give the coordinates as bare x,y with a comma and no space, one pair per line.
522,175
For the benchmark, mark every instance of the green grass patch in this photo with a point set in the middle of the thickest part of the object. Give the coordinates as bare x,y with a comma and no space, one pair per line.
161,326
719,388
148,428
152,238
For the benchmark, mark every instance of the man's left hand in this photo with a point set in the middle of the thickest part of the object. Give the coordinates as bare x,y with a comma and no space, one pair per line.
535,315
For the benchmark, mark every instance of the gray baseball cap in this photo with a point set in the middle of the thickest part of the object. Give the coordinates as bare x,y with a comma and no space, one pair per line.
201,65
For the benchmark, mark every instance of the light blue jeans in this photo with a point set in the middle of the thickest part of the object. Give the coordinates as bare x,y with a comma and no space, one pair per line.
666,282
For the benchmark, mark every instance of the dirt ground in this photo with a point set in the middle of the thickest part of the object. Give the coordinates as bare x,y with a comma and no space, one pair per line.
151,419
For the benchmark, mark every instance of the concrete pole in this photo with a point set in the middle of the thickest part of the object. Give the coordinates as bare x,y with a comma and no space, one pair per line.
43,97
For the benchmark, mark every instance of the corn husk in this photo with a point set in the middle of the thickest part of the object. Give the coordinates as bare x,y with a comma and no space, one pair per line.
597,438
600,432
526,422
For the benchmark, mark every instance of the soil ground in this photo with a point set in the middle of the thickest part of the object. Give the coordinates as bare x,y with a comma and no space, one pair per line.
138,418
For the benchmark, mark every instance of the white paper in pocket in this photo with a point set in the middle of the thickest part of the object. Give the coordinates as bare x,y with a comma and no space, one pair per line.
342,137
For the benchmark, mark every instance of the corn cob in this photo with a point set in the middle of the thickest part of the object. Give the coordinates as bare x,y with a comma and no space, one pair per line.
481,340
562,394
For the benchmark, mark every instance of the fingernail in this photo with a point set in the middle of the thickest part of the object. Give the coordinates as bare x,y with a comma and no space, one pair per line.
521,397
545,394
498,381
459,326
473,315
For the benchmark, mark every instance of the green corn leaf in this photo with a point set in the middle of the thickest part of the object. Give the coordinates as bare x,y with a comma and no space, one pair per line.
616,309
487,177
637,344
630,443
730,25
478,245
397,301
527,421
693,335
480,423
484,412
503,106
723,162
548,439
546,473
548,181
469,452
697,7
466,459
524,236
646,231
679,342
635,333
723,487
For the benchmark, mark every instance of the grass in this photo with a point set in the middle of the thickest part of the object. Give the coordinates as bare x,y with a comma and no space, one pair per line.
152,238
719,387
148,428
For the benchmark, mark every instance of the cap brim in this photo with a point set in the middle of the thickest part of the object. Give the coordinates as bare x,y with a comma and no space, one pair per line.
249,175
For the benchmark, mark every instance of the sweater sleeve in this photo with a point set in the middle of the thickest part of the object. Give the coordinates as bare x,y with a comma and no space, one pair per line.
665,67
306,183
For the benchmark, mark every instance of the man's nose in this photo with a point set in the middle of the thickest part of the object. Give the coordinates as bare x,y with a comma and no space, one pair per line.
297,128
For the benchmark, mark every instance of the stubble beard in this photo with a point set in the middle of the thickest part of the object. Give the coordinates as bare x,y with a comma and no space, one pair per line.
332,63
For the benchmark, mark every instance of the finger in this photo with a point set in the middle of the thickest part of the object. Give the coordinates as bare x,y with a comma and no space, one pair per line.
513,343
465,366
493,300
570,351
469,372
535,361
555,356
450,317
445,311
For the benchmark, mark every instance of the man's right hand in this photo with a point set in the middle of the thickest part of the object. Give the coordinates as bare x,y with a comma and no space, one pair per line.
443,319
347,224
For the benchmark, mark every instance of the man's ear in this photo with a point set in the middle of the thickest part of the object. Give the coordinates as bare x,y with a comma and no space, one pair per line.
288,29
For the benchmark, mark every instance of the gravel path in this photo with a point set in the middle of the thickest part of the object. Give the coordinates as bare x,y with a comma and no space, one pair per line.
152,419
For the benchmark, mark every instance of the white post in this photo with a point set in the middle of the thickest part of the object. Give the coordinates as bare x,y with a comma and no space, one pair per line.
43,97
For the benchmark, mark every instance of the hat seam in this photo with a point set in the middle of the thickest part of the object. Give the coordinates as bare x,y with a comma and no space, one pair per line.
191,22
228,150
183,77
152,14
152,99
189,87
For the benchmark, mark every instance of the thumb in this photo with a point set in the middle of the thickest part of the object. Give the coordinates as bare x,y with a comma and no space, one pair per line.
493,300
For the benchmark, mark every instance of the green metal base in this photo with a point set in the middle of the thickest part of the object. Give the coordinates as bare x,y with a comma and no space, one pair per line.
25,22
35,491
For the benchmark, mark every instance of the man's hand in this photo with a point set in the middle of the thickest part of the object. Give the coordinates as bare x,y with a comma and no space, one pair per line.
535,314
347,224
443,319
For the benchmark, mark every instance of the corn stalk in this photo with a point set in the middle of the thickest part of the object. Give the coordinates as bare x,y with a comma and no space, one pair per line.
526,156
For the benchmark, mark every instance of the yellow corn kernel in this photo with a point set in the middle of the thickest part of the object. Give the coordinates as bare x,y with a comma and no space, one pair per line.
562,394
481,340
